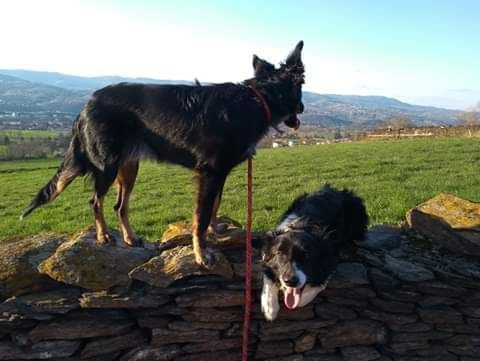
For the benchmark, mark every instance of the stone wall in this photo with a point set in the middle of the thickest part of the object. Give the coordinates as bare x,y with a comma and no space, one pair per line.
397,297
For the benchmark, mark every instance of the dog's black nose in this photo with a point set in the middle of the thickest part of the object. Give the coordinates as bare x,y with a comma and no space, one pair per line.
291,281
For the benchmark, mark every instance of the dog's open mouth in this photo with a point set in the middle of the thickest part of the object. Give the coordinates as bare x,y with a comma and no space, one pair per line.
292,297
293,122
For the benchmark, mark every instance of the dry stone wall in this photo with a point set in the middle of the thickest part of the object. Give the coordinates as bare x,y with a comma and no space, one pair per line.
396,297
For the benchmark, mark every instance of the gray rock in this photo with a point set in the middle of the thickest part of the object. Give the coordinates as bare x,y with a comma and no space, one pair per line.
450,221
164,336
268,328
209,298
440,315
132,299
327,311
109,345
162,353
84,263
356,353
305,342
213,345
407,271
382,237
41,350
349,274
392,306
381,280
55,302
177,263
78,327
273,348
357,332
19,261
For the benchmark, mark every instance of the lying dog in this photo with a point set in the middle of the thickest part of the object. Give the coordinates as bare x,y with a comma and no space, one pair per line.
300,256
207,128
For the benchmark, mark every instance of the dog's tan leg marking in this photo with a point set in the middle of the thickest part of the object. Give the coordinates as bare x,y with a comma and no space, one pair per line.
127,174
208,187
103,237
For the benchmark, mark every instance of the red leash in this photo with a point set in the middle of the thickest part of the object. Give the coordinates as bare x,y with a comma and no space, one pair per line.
248,263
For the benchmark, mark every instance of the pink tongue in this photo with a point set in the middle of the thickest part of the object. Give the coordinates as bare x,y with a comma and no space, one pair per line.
291,297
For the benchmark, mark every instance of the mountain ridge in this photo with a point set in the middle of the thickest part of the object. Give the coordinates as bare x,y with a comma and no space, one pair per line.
49,92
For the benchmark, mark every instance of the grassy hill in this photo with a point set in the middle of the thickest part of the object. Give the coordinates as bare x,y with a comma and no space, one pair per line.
392,176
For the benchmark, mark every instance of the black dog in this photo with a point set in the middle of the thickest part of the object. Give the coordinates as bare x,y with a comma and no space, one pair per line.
208,128
301,254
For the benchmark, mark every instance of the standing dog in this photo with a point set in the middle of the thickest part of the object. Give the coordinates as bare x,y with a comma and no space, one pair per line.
209,129
301,254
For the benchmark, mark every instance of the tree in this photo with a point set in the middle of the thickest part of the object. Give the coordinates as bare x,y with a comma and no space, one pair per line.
469,119
398,123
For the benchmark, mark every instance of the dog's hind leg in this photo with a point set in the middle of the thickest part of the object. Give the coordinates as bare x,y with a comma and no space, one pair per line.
102,182
209,185
126,177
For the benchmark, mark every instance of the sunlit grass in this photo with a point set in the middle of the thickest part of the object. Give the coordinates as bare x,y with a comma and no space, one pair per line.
392,176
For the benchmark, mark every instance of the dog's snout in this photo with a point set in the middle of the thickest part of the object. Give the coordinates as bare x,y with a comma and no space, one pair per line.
291,281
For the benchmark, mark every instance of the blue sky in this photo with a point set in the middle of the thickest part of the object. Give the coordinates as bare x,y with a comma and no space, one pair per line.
424,52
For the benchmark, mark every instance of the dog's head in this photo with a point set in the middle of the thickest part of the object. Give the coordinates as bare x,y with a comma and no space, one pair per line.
300,261
287,83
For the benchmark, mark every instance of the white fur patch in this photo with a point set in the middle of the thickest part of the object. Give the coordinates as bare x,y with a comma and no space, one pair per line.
270,305
291,218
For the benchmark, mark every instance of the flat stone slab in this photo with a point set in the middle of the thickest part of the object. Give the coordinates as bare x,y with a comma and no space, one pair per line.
452,222
357,332
177,263
230,235
407,271
84,263
19,261
80,326
50,302
382,237
132,299
41,350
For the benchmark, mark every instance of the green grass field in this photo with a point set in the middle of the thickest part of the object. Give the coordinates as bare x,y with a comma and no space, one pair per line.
392,176
14,134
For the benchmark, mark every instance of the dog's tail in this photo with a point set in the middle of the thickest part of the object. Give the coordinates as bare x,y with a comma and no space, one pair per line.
355,217
74,164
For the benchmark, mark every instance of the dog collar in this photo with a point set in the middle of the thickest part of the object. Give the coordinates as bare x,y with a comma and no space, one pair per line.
268,113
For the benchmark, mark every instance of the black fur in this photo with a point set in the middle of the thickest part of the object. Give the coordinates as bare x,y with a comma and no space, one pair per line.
209,128
328,220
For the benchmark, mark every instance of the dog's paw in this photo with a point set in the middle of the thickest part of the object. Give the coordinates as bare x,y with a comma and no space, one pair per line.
134,242
105,238
205,258
270,308
269,299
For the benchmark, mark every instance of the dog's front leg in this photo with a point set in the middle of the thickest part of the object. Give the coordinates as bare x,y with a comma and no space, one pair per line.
270,306
214,227
209,185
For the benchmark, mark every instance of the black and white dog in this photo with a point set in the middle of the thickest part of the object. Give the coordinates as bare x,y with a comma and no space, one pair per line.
300,256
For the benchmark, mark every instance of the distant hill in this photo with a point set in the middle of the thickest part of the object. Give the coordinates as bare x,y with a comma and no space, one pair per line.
19,95
75,82
30,93
329,110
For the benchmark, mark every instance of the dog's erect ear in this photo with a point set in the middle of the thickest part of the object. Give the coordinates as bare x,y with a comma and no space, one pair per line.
262,68
295,57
